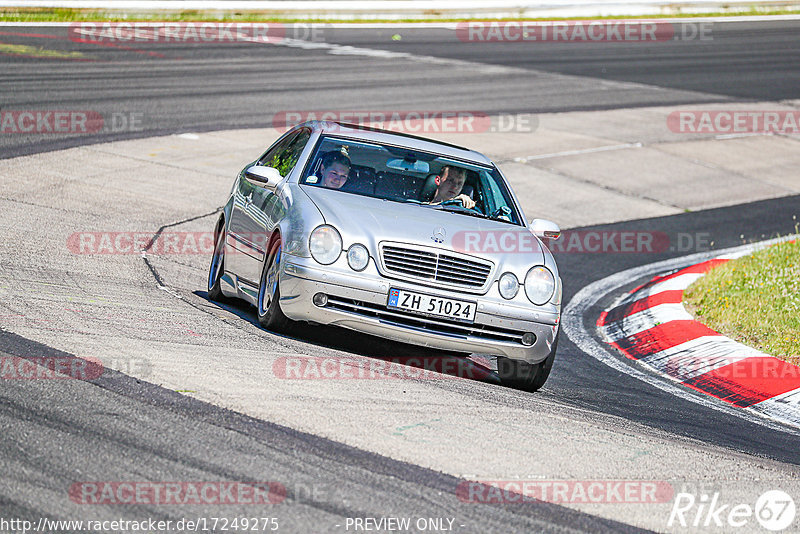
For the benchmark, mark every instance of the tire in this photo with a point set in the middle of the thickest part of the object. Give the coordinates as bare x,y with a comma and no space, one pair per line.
217,268
523,375
270,315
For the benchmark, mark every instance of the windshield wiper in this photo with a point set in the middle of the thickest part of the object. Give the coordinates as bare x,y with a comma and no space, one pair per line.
453,208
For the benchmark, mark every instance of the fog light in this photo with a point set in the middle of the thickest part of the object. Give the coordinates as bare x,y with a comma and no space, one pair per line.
528,339
320,299
509,286
357,257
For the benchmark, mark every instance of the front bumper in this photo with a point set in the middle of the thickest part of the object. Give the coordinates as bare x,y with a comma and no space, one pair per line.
358,301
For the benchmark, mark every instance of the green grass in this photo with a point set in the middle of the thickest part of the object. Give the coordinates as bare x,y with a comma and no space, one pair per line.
81,15
32,51
755,300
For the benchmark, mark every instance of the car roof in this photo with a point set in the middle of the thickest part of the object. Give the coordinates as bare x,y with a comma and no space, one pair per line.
377,135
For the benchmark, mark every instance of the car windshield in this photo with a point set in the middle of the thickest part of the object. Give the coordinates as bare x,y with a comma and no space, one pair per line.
404,175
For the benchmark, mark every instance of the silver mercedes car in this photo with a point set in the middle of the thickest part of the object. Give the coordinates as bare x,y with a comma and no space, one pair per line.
392,235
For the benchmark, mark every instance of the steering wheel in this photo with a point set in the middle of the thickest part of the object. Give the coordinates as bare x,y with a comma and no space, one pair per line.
460,202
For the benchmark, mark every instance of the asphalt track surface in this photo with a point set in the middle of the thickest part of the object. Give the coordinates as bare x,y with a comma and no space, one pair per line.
176,87
134,429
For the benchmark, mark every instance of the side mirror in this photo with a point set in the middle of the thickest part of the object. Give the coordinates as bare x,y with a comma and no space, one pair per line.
261,176
544,228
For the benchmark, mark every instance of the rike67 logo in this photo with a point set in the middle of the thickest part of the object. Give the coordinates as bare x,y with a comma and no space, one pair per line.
774,510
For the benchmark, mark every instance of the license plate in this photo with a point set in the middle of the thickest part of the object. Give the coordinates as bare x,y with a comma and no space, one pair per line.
422,304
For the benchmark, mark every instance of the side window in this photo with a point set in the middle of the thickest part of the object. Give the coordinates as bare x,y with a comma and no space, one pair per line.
491,194
496,198
285,154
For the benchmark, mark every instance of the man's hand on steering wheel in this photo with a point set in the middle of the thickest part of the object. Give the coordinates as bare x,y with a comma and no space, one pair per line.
465,201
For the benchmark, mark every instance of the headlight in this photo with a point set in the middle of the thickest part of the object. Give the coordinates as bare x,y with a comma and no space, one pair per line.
539,285
357,257
509,286
325,244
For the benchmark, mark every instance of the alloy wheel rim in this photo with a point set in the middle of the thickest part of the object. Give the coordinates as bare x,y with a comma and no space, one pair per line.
270,280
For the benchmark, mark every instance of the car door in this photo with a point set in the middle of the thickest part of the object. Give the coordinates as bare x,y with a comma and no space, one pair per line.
254,215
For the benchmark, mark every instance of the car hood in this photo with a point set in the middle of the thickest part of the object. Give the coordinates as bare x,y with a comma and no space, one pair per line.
370,221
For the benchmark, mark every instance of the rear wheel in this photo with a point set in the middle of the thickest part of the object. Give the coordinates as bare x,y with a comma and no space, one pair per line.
217,268
523,375
270,315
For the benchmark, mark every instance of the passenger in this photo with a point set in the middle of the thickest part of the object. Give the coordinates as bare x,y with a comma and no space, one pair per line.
335,168
449,184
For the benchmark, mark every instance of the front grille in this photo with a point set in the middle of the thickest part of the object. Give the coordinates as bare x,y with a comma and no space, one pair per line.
434,266
434,325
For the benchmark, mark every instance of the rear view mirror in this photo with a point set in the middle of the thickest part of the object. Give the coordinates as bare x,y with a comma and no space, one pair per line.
409,165
544,228
261,176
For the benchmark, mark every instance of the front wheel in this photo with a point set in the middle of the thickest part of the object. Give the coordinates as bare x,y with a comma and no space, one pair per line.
270,315
217,268
523,375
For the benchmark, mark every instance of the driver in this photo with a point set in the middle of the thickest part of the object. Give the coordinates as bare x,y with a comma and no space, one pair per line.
449,184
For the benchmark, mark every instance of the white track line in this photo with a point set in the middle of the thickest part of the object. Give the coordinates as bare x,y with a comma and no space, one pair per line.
579,152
